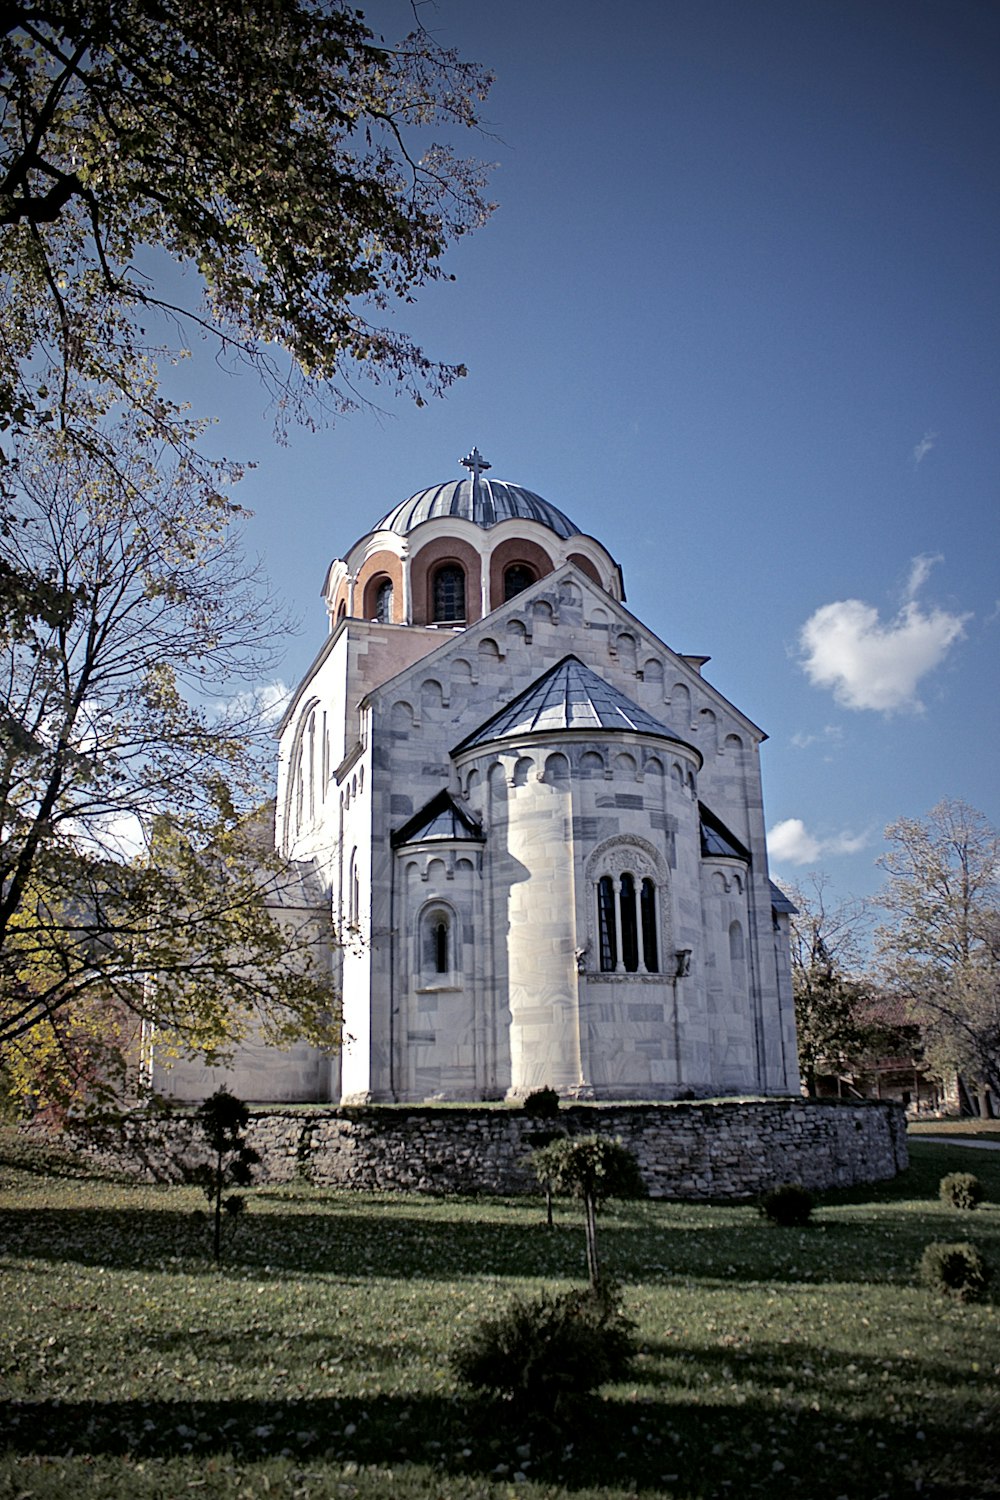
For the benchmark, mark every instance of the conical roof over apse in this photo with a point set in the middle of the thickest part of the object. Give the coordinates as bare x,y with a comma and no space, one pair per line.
569,698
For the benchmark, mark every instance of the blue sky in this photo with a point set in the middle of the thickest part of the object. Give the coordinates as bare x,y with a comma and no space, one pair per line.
737,314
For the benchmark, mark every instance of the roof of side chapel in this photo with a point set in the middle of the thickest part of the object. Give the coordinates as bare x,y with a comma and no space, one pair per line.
569,698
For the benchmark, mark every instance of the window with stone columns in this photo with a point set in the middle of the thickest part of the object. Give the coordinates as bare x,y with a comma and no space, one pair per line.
627,885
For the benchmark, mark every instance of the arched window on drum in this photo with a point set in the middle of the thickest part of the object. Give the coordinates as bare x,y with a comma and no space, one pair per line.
627,924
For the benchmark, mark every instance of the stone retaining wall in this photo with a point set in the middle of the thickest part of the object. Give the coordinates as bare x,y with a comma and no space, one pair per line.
699,1150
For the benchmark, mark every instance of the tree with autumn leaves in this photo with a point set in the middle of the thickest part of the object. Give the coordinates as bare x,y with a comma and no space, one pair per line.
285,160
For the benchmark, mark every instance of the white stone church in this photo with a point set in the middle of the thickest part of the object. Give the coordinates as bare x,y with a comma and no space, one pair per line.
537,832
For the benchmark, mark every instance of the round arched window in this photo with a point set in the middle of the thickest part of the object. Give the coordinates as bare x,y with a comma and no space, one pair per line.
516,579
383,602
449,595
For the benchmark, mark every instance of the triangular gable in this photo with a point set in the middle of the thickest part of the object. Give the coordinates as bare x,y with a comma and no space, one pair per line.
441,819
569,698
717,841
462,641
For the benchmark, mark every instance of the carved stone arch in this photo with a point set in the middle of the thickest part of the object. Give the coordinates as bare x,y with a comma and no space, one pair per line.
628,851
592,763
652,671
733,744
401,720
627,648
543,613
437,938
599,619
523,767
432,699
489,651
720,885
569,594
625,766
517,633
708,725
654,767
680,704
556,768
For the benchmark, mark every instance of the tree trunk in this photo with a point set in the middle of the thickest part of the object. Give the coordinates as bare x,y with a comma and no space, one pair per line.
593,1269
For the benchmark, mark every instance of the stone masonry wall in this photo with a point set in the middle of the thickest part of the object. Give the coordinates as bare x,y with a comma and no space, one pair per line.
727,1149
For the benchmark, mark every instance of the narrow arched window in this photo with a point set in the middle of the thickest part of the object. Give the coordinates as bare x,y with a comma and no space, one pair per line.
608,937
647,918
383,602
441,947
449,595
516,579
437,946
736,950
630,929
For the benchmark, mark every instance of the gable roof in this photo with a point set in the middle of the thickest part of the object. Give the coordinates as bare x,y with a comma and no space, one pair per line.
439,819
569,698
716,839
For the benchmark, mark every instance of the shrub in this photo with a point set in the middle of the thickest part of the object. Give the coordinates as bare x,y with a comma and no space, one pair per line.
788,1204
538,1354
542,1104
955,1270
961,1190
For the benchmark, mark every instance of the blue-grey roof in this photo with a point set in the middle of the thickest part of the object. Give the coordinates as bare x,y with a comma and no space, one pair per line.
485,502
442,819
569,697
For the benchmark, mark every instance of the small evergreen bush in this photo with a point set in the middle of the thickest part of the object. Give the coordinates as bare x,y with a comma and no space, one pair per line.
542,1104
961,1190
538,1354
955,1270
788,1204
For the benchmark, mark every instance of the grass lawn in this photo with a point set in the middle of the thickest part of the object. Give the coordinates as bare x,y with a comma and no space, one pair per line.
314,1362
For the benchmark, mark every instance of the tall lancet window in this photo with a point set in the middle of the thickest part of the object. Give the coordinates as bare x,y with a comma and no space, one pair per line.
449,595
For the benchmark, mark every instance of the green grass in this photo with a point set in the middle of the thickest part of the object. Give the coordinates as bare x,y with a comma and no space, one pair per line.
315,1361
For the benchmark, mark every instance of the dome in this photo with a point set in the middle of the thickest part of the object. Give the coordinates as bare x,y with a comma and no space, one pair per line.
484,502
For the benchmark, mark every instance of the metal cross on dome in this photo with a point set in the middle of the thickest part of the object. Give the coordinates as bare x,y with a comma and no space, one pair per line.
475,463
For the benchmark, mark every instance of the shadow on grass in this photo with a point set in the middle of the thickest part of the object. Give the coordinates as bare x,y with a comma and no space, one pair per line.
403,1245
694,1448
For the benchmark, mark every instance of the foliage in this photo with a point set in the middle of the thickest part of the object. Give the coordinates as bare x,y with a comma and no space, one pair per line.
541,1104
826,956
961,1190
941,944
130,1374
136,889
222,1120
593,1168
788,1204
540,1352
283,154
955,1270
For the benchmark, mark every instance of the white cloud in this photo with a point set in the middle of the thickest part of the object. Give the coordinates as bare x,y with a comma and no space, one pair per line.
920,571
267,703
922,449
790,842
830,734
869,663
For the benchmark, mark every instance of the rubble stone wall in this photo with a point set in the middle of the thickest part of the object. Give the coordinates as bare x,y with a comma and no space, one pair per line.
707,1149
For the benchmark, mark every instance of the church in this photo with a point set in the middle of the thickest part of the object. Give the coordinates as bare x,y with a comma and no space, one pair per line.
536,831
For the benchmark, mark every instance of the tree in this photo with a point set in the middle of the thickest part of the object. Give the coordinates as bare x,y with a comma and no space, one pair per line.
593,1168
223,1119
132,882
829,994
941,944
277,158
281,152
281,155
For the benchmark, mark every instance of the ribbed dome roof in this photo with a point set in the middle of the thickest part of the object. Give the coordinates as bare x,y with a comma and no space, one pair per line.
484,502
